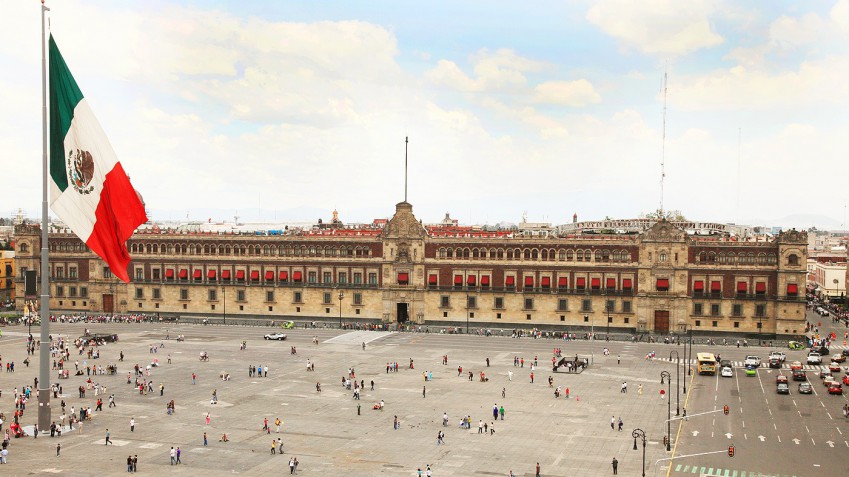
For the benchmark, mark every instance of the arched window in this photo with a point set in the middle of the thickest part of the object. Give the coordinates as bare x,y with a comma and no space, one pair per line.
475,253
527,255
770,258
793,260
449,253
561,255
544,254
466,253
605,255
534,254
509,254
701,257
579,256
568,255
499,253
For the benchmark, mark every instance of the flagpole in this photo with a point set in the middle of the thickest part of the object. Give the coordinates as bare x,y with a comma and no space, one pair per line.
44,351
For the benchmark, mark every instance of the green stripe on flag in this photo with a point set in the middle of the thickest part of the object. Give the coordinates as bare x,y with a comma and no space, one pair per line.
64,96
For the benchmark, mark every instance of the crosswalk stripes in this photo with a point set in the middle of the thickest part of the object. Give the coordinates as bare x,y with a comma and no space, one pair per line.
741,364
717,472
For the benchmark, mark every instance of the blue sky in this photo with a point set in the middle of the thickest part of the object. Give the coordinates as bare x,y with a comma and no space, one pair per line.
287,110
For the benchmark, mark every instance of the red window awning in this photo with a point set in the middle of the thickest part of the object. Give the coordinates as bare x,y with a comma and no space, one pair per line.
742,287
546,282
403,278
563,282
611,283
198,274
283,276
484,280
581,282
240,274
458,279
432,279
663,284
699,286
184,273
510,281
595,283
210,274
296,276
225,274
626,284
269,275
760,287
715,286
792,289
254,275
169,273
471,280
529,281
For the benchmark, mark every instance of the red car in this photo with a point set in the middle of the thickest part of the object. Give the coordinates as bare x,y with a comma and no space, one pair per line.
781,379
835,388
846,379
834,367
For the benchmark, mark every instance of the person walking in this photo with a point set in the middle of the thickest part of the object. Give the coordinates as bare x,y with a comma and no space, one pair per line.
108,440
509,375
501,412
58,449
537,470
277,423
532,377
640,390
194,378
273,446
205,441
292,465
208,418
615,465
173,454
612,422
178,456
620,424
129,463
424,391
132,424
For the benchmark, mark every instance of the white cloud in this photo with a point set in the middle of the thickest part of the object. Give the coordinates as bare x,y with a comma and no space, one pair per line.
658,27
576,93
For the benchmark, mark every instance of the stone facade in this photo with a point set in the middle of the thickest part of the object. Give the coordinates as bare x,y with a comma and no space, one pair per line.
661,280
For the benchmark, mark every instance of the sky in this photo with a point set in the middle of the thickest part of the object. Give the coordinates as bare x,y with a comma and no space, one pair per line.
287,110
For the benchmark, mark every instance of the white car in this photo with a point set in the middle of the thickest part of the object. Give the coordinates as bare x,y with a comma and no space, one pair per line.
814,358
752,361
727,372
276,336
778,354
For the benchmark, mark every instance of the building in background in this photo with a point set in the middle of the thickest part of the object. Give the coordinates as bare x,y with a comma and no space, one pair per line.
623,276
7,277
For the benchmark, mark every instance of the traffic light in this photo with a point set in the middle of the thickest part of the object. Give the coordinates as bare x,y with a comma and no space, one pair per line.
725,411
730,451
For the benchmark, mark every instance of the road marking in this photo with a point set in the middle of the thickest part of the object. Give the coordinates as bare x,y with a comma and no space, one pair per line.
796,441
762,438
812,440
830,443
838,430
806,428
729,435
779,439
794,403
695,433
829,415
744,424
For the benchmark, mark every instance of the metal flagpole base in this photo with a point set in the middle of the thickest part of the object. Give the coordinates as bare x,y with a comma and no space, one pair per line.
44,410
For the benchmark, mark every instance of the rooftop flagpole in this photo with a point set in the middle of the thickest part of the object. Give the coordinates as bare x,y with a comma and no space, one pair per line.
44,419
406,141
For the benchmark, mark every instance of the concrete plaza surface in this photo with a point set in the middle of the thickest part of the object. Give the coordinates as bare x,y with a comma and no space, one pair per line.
323,430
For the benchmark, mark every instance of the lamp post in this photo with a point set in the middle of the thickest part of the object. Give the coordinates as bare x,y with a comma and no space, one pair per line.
607,307
468,311
224,296
341,296
677,382
664,375
642,435
689,357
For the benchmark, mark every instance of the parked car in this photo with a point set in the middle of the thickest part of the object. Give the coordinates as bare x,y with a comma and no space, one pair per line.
727,372
814,358
276,336
752,360
806,388
799,375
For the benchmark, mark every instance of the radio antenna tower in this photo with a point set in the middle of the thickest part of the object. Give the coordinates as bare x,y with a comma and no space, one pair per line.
663,145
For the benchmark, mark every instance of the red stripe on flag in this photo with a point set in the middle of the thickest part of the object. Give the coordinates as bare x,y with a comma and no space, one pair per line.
118,214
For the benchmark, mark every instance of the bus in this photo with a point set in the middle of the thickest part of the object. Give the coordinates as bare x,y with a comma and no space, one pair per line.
707,363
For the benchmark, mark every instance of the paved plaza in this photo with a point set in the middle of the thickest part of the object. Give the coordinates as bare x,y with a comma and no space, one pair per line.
324,430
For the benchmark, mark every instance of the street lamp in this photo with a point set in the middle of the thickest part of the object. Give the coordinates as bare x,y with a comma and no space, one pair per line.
664,375
468,311
677,382
224,296
642,435
341,296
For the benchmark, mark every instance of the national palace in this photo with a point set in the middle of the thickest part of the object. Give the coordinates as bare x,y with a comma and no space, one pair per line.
658,280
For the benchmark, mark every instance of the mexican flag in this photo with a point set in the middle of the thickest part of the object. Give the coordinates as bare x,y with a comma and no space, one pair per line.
89,189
